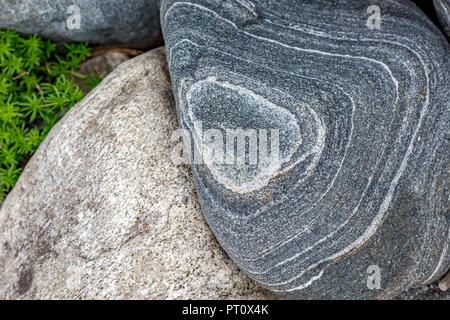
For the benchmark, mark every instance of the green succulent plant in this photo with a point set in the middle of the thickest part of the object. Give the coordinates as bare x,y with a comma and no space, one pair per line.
36,90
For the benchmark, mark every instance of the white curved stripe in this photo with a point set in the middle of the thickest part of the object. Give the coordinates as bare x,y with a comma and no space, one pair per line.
304,285
441,260
250,6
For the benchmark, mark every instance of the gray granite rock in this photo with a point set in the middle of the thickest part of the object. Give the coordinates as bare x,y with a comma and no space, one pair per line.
443,12
357,180
101,212
132,23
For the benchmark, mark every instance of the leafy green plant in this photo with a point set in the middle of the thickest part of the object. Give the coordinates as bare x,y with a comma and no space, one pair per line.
36,90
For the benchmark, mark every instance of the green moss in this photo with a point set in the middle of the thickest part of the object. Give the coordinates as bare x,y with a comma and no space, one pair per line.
35,92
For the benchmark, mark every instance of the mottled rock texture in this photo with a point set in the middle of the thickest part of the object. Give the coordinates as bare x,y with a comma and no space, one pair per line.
101,212
443,11
132,23
363,118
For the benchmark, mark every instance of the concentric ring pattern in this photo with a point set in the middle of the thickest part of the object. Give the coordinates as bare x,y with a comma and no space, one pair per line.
361,117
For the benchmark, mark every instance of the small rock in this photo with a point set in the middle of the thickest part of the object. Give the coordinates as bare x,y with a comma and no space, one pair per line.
103,64
444,284
429,292
99,66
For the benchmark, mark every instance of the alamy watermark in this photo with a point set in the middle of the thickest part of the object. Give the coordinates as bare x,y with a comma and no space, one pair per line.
373,277
226,146
374,20
73,22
